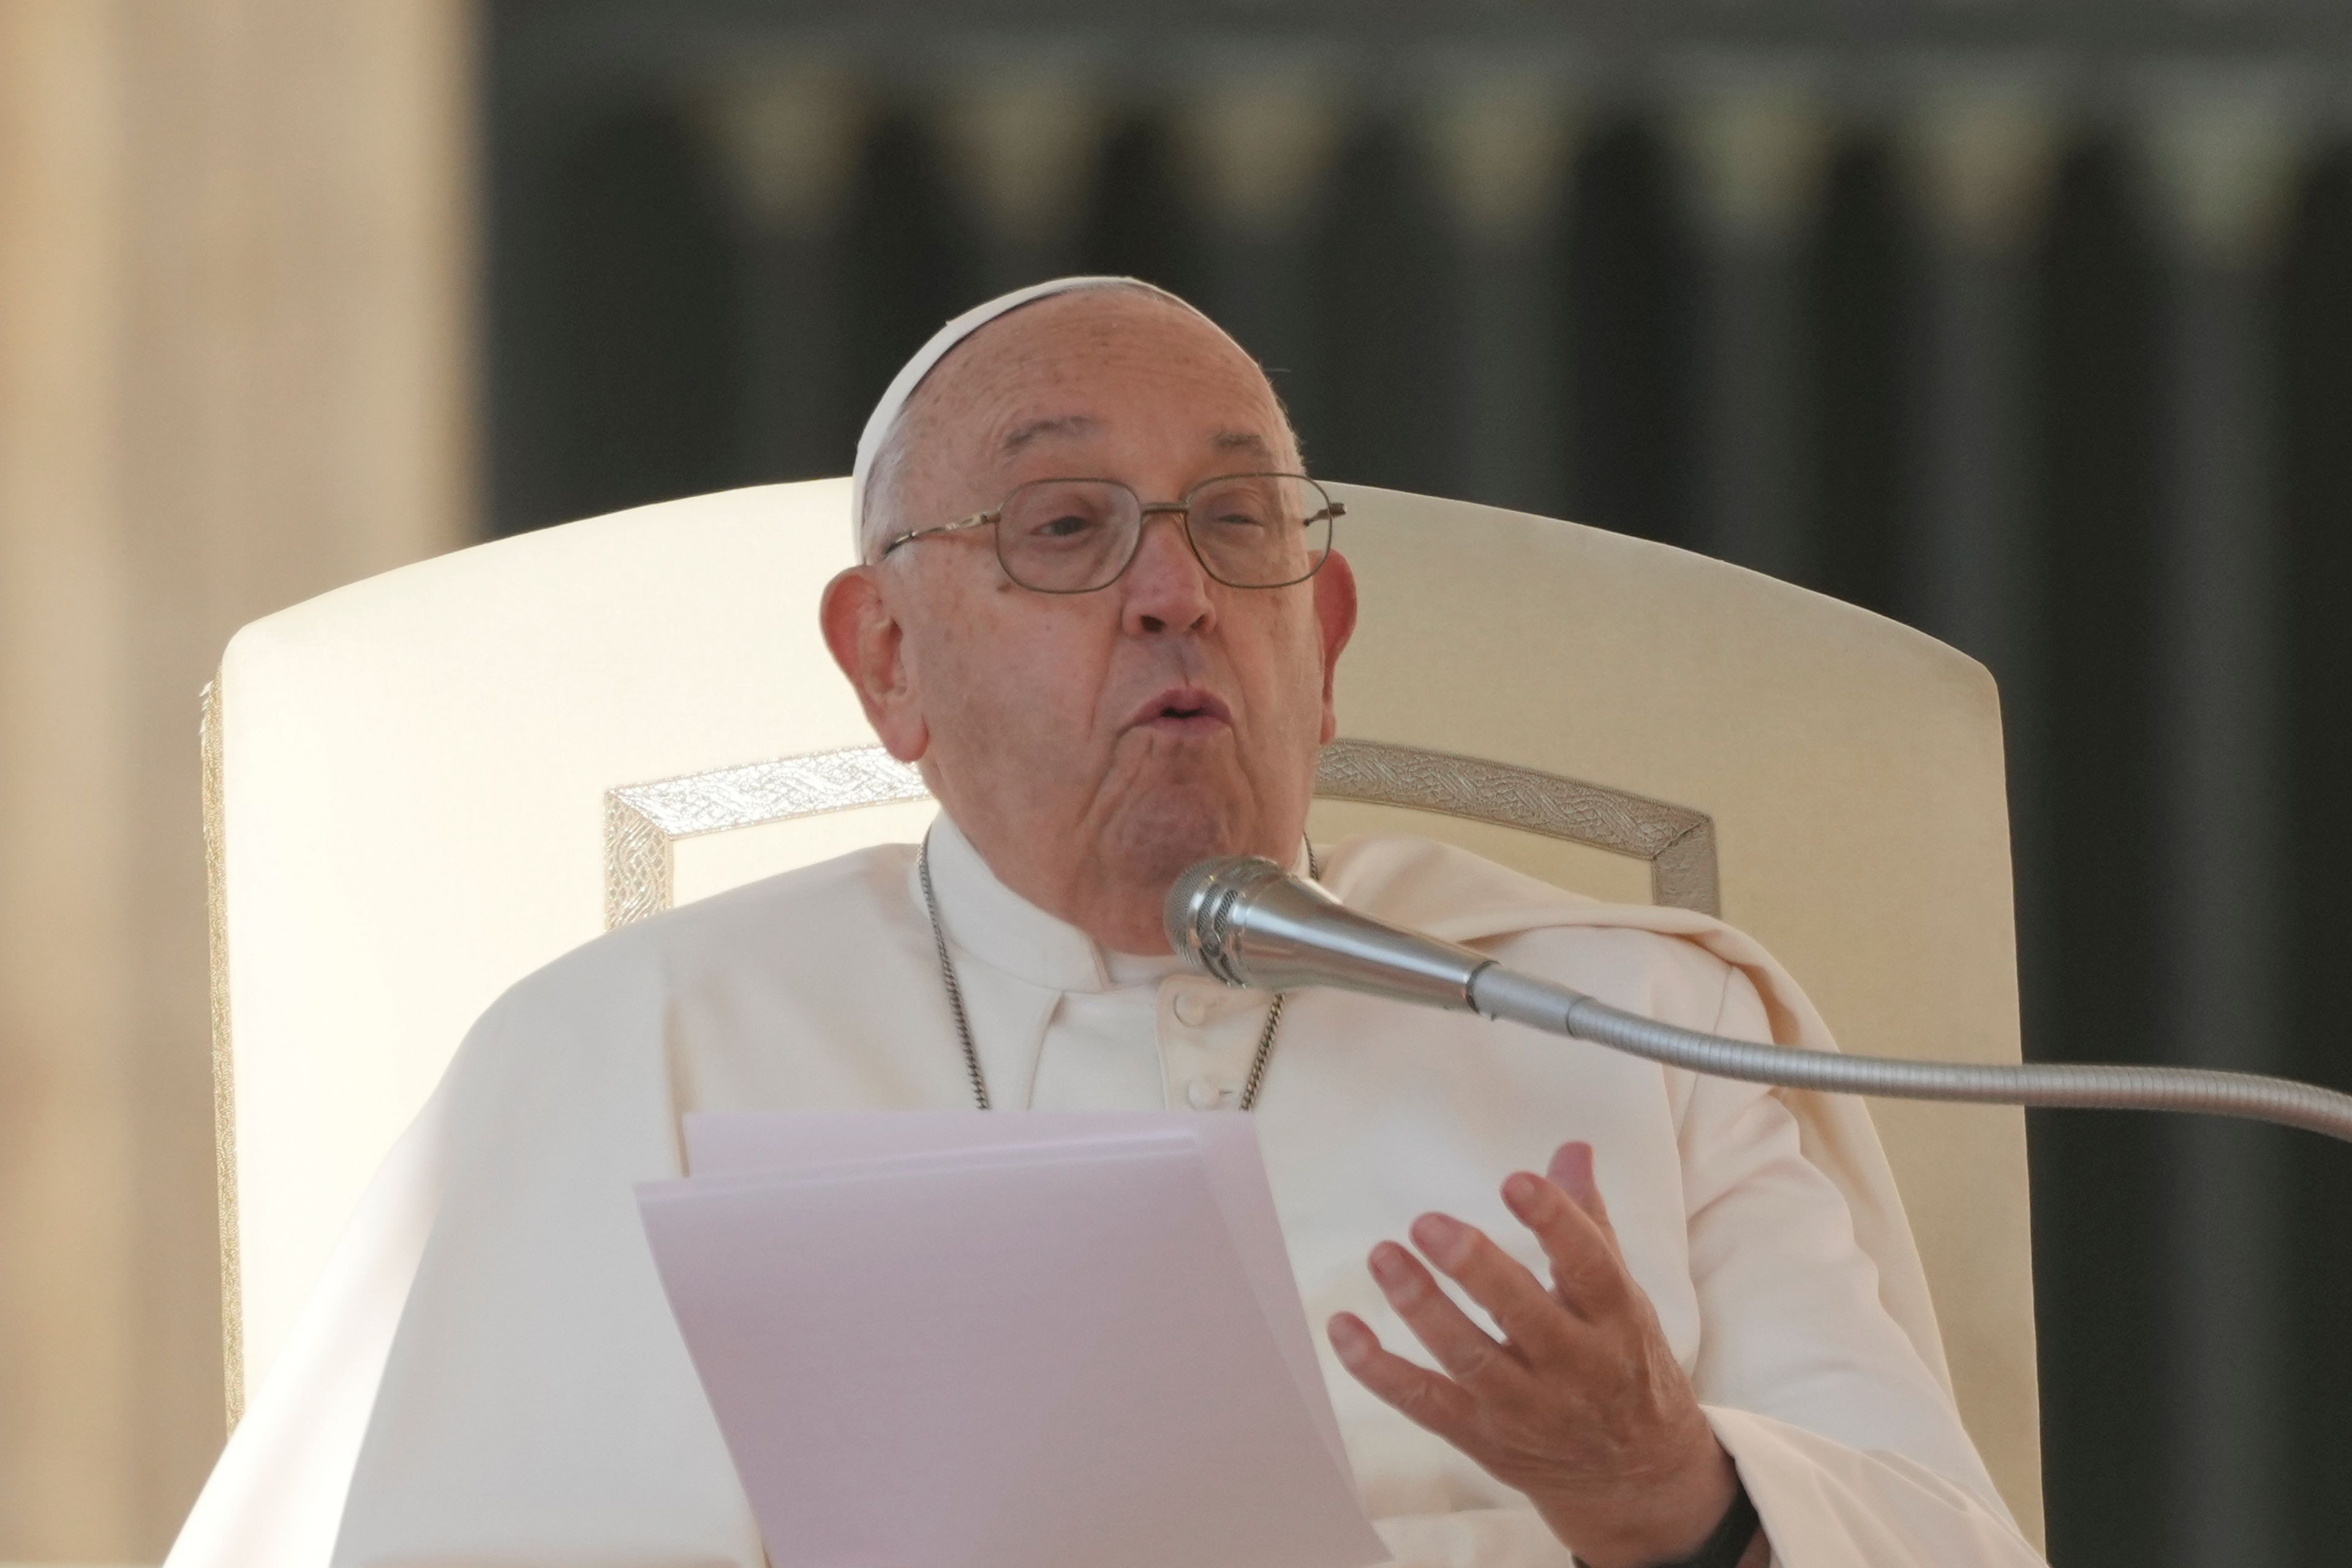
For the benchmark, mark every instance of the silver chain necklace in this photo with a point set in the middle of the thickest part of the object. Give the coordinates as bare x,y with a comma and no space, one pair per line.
963,1023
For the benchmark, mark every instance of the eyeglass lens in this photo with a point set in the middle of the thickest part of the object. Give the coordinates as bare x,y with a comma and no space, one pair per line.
1250,531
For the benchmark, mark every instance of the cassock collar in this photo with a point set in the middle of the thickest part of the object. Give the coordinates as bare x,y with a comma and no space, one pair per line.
1002,929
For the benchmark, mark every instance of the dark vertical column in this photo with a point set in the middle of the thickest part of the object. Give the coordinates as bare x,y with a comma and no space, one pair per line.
643,289
787,138
1020,140
1388,399
2311,329
1631,324
1983,172
1757,156
1142,219
1860,266
909,262
1256,147
2099,1187
1498,146
2222,159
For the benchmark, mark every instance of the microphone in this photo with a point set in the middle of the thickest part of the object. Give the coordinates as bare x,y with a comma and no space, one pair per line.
1248,922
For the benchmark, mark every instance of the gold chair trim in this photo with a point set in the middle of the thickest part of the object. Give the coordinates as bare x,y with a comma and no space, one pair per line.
1677,842
642,822
224,1061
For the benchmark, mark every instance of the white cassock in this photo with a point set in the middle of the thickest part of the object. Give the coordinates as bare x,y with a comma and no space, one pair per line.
490,1374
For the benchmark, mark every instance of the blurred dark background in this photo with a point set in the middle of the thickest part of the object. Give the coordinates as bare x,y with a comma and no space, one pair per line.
2031,326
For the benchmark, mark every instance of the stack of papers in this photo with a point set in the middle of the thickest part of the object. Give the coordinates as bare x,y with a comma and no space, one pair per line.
983,1340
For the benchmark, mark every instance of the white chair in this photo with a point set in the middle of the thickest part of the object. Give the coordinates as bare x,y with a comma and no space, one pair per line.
420,787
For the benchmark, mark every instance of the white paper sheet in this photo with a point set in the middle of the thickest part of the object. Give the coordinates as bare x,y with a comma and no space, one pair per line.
957,1339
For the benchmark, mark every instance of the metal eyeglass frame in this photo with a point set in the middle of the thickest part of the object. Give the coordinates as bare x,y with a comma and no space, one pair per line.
1330,512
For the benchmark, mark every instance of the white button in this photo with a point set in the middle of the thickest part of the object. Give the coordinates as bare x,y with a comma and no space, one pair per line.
1192,1008
1206,1095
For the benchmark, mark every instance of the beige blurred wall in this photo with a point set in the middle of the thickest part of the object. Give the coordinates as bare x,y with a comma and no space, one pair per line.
235,295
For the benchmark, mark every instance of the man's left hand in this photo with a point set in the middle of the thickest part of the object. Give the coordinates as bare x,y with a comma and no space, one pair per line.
1581,1406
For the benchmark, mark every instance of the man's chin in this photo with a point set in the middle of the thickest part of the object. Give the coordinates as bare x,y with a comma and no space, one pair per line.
1173,808
1158,842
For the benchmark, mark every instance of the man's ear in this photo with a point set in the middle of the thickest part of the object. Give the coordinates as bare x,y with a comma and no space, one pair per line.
1334,618
869,646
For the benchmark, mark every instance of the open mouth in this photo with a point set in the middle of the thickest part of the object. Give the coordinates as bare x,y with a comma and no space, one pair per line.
1183,710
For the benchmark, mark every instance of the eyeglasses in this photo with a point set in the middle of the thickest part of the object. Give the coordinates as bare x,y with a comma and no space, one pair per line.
1073,536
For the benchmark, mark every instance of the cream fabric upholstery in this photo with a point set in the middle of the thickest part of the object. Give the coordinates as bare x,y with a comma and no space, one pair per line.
409,813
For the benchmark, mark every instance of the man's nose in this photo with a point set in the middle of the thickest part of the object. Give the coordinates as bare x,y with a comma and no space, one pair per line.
1166,588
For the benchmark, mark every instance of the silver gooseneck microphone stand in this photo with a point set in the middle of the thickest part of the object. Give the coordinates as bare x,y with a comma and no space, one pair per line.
1248,922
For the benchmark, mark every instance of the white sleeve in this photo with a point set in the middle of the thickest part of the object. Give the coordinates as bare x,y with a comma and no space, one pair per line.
1853,1453
276,1498
488,1375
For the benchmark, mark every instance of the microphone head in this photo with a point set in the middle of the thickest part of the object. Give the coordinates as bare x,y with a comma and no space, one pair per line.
1199,910
1249,923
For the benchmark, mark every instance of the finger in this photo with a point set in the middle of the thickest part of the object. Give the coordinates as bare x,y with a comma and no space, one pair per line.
1586,1269
1463,1349
1416,1393
1528,1313
1572,1173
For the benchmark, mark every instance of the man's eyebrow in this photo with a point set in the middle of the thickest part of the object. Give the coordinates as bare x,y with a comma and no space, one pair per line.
1020,436
1242,441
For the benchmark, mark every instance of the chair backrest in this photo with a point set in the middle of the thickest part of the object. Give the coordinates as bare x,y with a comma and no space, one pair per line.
422,786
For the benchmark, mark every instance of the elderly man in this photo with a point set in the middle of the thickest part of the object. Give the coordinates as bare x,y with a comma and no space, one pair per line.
1097,607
